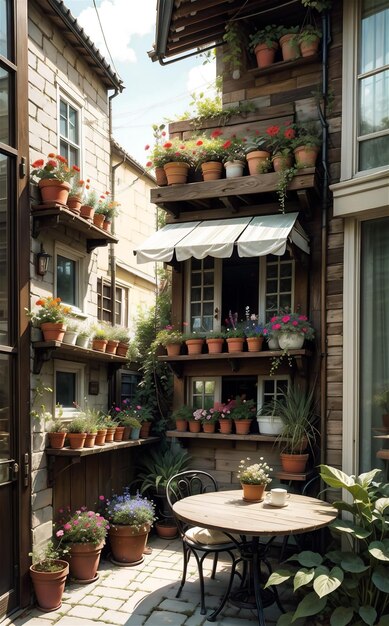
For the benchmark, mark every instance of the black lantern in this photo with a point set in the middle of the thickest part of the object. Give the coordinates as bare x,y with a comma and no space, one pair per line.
42,262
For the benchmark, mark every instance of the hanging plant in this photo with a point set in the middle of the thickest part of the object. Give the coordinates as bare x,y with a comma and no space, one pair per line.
236,42
319,5
285,175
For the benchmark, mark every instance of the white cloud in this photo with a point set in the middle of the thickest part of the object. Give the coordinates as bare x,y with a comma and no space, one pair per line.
202,79
121,20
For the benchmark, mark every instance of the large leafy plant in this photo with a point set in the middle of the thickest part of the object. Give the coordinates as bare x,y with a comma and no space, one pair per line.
159,466
351,585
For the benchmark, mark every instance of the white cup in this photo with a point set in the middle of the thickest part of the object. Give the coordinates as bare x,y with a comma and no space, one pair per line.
277,496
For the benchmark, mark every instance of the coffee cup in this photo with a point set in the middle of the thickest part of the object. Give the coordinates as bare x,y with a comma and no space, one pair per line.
277,496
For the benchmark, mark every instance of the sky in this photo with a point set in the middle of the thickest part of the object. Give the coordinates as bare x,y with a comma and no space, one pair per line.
152,92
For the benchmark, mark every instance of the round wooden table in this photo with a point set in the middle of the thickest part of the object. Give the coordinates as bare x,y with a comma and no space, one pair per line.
227,511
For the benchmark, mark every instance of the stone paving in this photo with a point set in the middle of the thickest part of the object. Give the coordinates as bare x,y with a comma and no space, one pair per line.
145,596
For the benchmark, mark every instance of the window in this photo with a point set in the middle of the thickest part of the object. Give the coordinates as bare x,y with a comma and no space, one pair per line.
270,389
277,284
373,85
202,294
104,303
69,271
204,392
69,132
68,386
129,382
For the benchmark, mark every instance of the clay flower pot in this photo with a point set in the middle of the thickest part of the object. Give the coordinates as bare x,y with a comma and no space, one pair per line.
194,426
49,586
84,559
181,425
254,344
281,162
74,204
160,177
194,346
128,543
57,440
100,437
119,432
289,47
225,426
122,349
110,434
145,430
306,156
53,191
98,220
99,344
215,345
242,427
209,427
107,225
87,211
235,344
76,440
212,170
166,529
264,55
90,440
255,159
294,463
253,493
173,349
111,346
176,172
53,331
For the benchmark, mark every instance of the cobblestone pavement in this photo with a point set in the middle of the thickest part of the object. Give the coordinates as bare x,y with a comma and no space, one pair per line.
145,596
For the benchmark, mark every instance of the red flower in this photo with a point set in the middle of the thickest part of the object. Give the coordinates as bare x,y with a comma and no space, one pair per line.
168,144
227,144
216,133
199,143
147,147
61,159
52,163
76,168
51,155
289,133
149,163
273,130
276,327
163,134
38,163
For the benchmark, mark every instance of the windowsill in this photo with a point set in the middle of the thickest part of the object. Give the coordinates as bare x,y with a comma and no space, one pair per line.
45,350
107,447
231,437
361,195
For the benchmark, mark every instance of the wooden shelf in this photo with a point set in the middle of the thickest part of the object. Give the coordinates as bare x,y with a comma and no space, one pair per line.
234,359
280,66
46,350
52,215
294,476
231,437
230,193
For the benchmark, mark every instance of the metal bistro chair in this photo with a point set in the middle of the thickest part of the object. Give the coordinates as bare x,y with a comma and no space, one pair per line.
198,541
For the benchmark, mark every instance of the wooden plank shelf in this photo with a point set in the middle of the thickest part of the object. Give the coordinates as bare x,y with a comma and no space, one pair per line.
52,215
188,435
46,350
230,193
280,66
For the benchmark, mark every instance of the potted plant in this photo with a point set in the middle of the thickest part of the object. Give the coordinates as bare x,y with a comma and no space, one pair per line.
215,342
309,39
264,44
50,318
98,216
90,202
242,412
194,342
296,409
269,423
71,332
207,419
100,338
113,339
235,339
257,153
170,339
109,424
101,434
209,156
76,194
130,519
291,329
157,157
280,140
381,399
83,337
307,144
289,42
109,208
48,574
135,425
254,479
224,418
53,178
253,332
77,432
91,417
181,416
349,583
83,532
56,430
176,159
235,159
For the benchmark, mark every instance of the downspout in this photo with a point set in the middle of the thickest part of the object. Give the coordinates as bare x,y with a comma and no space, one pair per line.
112,255
324,235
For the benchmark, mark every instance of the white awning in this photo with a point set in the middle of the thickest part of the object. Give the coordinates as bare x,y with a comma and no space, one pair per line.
253,236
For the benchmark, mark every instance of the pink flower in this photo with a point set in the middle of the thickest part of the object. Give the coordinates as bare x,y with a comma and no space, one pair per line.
276,327
138,407
149,163
295,323
76,522
59,533
147,147
274,319
67,526
285,319
102,498
304,330
91,513
303,318
199,143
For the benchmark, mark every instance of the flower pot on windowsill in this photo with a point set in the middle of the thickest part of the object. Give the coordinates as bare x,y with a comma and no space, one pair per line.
289,47
111,346
212,170
98,220
107,225
90,440
265,55
290,341
242,427
181,425
160,177
110,434
255,160
235,344
74,204
53,191
282,162
119,432
145,430
195,346
173,349
215,345
57,440
99,344
270,424
100,437
208,427
176,172
194,426
87,211
254,344
306,156
122,349
70,337
53,331
76,440
225,426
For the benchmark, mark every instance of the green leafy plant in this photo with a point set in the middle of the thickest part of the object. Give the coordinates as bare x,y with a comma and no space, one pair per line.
319,5
159,466
268,36
44,559
309,34
81,526
77,425
307,134
91,198
349,585
184,412
285,176
296,409
241,409
168,335
236,41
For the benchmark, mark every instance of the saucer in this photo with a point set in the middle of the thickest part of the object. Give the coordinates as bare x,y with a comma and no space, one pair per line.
277,506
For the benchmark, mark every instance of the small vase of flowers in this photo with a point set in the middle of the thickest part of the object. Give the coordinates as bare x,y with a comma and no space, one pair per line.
254,479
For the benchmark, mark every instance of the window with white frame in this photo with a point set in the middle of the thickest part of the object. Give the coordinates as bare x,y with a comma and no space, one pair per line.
68,277
270,389
202,294
204,392
277,284
104,302
373,85
69,131
68,386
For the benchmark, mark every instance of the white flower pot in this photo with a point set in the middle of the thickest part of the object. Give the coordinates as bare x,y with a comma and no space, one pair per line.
234,169
269,424
291,341
70,337
273,343
82,341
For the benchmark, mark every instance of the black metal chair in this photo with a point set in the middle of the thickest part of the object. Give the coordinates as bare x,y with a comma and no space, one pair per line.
201,542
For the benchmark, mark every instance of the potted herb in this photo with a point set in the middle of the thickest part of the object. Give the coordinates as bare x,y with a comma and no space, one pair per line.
257,154
100,338
53,178
110,425
289,42
121,334
83,532
235,339
109,208
264,44
349,583
48,574
307,144
83,337
170,339
253,332
181,416
71,332
56,430
76,194
309,39
130,519
254,478
90,201
242,412
77,432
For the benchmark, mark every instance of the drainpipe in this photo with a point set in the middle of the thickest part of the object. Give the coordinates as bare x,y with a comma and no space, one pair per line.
324,234
112,255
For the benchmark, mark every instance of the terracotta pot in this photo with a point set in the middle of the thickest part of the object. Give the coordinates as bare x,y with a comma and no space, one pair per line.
294,463
255,159
234,169
90,440
53,331
253,493
254,344
111,346
235,344
49,586
53,191
99,344
160,177
181,426
76,440
176,172
209,428
84,559
281,162
242,427
194,346
128,543
173,349
98,220
145,430
289,47
166,529
87,211
306,156
212,170
119,432
57,440
126,433
74,204
122,349
264,55
100,437
107,225
308,49
225,426
194,426
109,437
215,345
291,341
